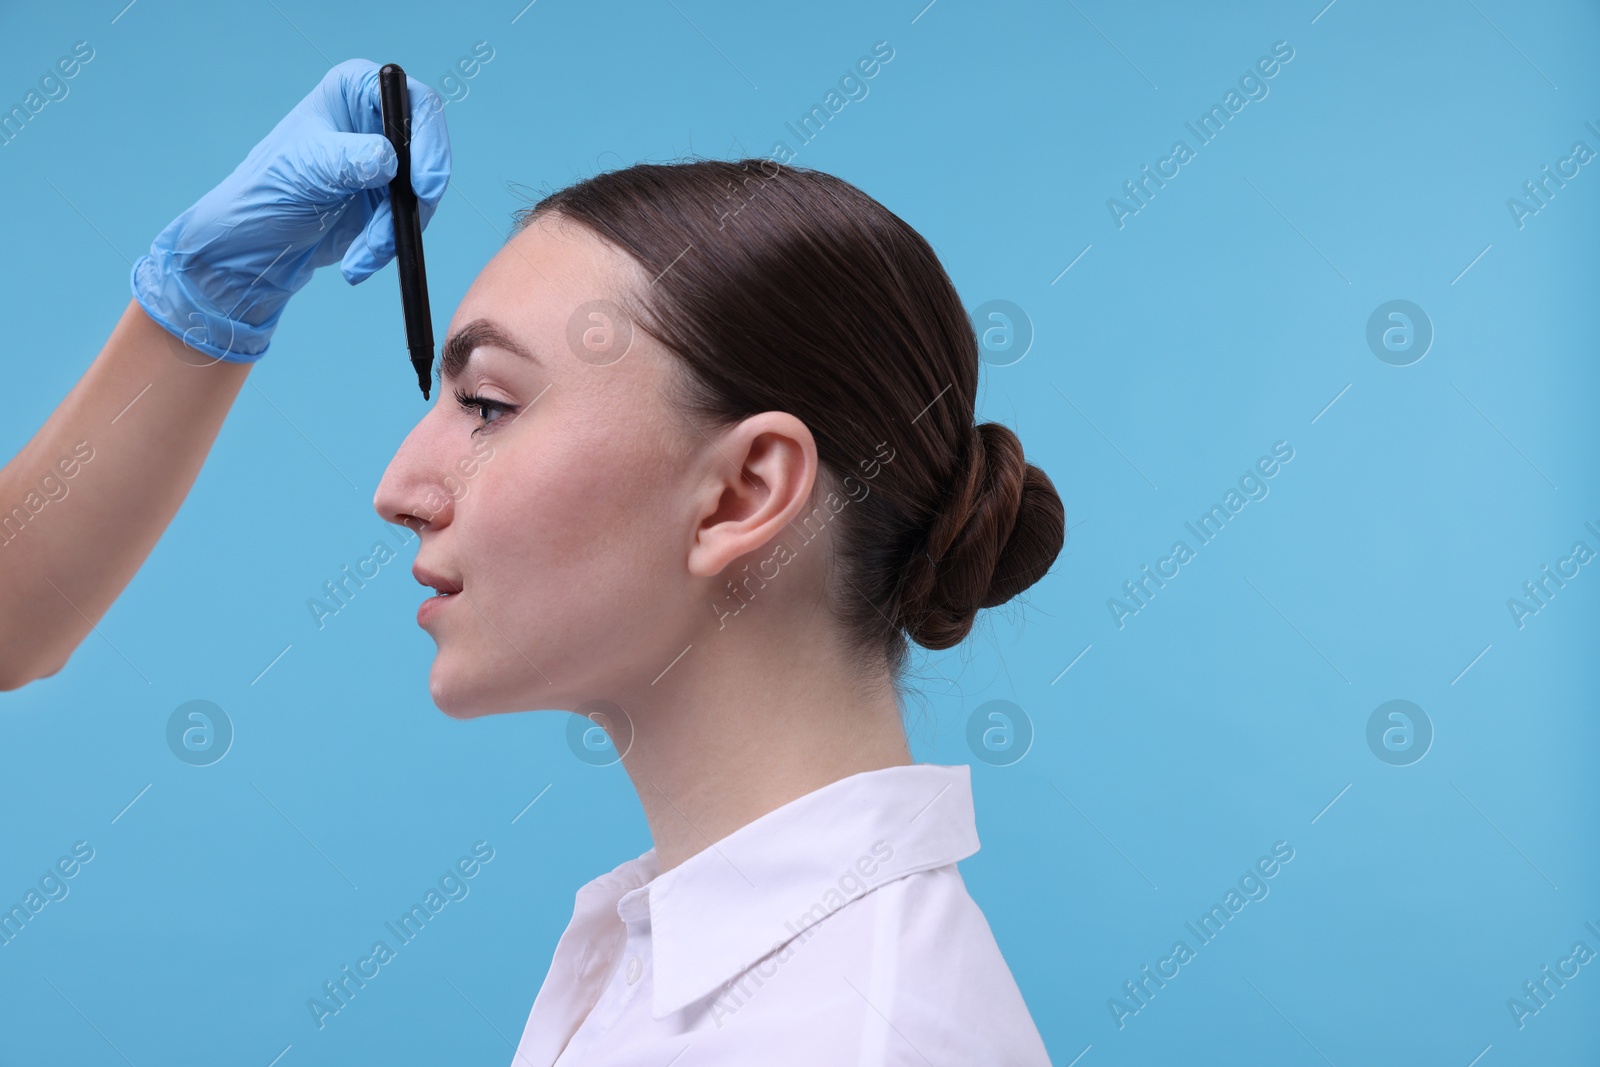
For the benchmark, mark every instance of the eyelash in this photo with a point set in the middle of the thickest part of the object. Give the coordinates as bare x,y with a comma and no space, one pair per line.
470,402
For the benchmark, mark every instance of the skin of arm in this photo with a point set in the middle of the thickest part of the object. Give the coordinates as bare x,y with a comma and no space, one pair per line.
147,412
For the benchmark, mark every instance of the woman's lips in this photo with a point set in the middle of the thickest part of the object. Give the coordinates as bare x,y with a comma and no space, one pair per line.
435,581
432,606
444,589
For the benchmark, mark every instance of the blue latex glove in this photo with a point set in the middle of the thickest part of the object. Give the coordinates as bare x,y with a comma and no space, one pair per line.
315,190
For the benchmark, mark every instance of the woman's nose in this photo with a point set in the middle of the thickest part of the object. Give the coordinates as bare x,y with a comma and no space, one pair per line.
411,492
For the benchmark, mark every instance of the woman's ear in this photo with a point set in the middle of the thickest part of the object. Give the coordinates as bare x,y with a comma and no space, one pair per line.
759,476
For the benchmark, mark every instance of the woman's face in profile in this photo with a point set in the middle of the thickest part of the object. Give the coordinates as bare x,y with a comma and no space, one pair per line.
556,500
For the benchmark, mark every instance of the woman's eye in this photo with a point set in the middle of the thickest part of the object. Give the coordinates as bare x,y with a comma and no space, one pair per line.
483,407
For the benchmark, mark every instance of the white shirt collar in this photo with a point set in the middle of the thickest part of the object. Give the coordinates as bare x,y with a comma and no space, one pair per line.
736,901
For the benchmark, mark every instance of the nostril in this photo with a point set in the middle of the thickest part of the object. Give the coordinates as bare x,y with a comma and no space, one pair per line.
410,522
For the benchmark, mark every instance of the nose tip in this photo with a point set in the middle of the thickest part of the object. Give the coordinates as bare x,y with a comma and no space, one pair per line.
408,493
412,507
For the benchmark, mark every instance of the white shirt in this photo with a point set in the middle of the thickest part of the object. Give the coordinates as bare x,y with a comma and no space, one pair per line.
834,930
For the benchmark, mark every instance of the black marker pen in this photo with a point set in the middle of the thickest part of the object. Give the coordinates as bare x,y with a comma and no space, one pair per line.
396,104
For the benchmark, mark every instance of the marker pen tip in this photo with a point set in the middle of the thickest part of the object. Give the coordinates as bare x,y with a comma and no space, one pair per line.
422,363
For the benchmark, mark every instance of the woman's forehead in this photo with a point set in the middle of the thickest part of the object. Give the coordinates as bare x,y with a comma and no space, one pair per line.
545,273
561,293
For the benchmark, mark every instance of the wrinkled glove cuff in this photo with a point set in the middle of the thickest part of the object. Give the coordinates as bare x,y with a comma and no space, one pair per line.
161,292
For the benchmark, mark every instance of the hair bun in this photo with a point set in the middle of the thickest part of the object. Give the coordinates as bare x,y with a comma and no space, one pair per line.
1001,528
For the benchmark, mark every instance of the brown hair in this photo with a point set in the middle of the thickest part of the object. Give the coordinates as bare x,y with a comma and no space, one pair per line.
788,289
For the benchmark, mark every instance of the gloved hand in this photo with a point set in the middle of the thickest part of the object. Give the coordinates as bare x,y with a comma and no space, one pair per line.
315,190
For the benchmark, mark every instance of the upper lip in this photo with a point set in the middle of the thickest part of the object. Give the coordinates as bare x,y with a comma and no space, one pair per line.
427,577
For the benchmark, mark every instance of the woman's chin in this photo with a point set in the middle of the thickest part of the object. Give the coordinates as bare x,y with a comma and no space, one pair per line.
457,700
467,698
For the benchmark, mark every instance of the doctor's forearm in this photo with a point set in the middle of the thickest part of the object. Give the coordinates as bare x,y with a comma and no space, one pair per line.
86,499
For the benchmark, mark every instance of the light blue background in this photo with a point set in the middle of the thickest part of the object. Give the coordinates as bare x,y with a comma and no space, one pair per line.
1225,716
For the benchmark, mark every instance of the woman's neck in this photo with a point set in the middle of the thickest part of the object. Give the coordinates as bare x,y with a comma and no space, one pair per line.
762,713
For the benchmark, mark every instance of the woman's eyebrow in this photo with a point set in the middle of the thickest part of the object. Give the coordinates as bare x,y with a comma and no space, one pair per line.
459,346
